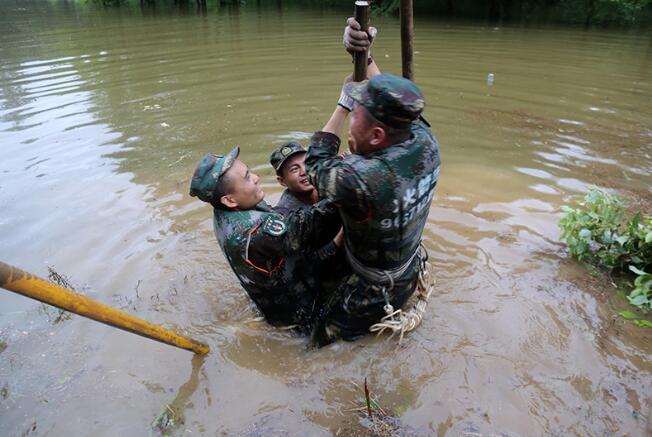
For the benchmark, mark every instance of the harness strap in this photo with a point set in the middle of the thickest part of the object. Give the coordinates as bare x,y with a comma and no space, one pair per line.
373,275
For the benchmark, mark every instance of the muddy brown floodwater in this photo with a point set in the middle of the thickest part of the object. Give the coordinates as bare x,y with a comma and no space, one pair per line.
103,115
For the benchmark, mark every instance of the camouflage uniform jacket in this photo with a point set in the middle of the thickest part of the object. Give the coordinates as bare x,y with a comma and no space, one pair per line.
384,197
289,202
264,251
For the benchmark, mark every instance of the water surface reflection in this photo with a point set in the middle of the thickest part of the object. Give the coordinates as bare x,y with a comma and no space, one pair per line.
103,114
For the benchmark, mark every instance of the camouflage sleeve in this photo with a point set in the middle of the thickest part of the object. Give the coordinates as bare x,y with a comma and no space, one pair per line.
335,178
301,230
306,228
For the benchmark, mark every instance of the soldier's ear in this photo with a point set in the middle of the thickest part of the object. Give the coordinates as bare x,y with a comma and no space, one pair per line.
228,201
281,181
378,136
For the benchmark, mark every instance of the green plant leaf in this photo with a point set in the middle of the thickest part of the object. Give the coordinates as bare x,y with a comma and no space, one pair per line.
648,237
622,239
607,236
593,196
643,323
637,271
637,259
636,292
628,315
639,300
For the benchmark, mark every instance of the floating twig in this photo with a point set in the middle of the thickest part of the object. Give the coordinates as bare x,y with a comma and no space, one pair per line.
366,397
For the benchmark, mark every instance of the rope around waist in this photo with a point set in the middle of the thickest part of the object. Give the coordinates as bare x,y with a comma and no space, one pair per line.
380,277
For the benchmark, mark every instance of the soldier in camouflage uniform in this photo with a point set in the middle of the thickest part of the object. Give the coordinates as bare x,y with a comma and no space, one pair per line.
383,191
288,162
262,247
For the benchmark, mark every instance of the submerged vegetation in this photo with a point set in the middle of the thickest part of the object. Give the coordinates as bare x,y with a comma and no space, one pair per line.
600,232
59,314
372,420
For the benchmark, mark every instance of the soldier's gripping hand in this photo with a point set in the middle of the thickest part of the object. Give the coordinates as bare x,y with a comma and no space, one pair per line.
356,40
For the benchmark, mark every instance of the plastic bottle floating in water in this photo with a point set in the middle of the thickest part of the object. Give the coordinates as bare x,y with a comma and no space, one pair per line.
490,79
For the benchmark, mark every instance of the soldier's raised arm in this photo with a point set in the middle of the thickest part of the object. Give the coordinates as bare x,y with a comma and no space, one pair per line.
334,178
302,230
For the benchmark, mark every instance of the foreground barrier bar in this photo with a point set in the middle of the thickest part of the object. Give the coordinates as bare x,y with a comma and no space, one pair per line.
24,283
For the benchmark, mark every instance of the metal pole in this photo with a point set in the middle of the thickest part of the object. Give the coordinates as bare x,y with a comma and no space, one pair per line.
360,58
24,283
407,33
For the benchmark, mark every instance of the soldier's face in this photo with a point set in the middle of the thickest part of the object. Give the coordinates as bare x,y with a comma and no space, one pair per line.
293,175
360,132
245,193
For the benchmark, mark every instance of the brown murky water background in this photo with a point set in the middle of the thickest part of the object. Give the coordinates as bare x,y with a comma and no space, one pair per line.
103,114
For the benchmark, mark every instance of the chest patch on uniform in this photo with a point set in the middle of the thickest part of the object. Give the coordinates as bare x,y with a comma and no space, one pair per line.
274,226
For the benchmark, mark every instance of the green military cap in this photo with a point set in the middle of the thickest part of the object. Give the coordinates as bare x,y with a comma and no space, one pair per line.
205,182
283,152
393,100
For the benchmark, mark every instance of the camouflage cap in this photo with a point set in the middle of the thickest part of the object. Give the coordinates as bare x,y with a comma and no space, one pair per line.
283,152
393,100
205,182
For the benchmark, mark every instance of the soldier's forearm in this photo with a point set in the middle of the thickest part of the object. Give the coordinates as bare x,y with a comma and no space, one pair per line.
372,69
321,161
335,123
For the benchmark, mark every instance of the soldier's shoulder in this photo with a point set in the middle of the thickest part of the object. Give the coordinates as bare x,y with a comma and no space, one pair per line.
365,167
423,132
234,221
273,225
362,162
287,203
264,233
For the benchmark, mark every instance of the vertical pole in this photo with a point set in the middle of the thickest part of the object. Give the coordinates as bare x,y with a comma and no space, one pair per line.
360,58
407,33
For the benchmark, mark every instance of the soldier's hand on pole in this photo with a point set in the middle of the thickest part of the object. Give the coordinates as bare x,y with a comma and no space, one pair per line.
356,40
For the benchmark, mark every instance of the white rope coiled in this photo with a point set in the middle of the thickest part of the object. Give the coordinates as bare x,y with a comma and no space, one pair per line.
402,321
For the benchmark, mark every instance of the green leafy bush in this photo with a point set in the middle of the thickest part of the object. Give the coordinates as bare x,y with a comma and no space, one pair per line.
641,296
603,11
600,232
